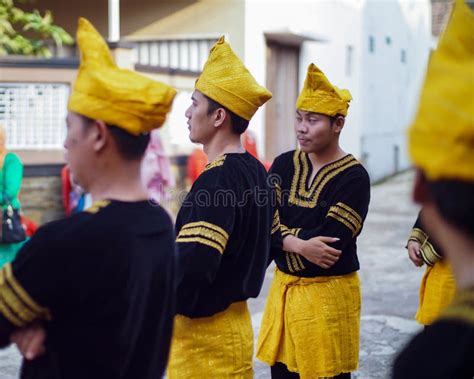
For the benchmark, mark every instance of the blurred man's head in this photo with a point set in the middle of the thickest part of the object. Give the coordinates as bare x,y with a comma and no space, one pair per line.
111,111
92,145
442,134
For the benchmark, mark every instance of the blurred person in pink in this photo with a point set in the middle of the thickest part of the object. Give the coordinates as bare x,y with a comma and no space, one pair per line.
156,170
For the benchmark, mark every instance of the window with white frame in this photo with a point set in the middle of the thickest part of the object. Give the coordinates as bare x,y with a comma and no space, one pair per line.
34,114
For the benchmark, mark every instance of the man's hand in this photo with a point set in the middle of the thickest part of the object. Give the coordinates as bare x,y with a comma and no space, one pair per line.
414,253
317,251
30,341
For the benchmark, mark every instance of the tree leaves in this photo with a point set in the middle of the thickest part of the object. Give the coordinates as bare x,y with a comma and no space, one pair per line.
27,33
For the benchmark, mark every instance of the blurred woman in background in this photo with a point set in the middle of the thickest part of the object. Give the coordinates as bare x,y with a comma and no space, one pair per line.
11,175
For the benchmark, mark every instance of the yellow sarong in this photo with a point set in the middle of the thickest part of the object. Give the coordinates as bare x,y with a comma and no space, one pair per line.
437,290
312,325
220,346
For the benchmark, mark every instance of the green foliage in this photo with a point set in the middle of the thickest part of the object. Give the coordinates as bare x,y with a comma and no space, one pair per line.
26,33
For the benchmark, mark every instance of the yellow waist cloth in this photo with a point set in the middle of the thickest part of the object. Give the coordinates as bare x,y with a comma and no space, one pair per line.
312,325
220,346
436,292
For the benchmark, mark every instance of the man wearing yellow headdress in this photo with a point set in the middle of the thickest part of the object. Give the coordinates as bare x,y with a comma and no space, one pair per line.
441,144
310,327
224,227
100,284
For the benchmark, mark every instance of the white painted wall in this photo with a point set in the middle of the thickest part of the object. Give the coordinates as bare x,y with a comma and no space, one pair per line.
389,87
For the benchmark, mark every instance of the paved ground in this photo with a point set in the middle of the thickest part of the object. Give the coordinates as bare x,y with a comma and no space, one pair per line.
389,285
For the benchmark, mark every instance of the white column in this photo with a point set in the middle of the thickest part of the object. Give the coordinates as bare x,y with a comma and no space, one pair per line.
114,20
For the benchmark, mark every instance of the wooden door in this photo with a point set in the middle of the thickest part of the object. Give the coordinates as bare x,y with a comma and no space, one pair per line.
282,81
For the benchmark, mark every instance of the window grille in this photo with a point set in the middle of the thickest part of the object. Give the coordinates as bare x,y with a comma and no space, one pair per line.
34,114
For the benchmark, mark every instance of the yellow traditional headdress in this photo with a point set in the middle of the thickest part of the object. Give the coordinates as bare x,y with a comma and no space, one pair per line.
227,81
441,137
320,96
116,96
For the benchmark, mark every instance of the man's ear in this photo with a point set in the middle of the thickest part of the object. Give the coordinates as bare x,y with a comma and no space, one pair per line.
220,115
338,123
421,193
100,135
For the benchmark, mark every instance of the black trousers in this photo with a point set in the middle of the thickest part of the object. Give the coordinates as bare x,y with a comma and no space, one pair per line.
280,371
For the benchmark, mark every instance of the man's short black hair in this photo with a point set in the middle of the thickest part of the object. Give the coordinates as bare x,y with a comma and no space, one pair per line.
333,119
130,147
237,123
455,202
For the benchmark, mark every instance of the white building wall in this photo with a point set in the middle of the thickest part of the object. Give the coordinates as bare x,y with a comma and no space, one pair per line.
390,76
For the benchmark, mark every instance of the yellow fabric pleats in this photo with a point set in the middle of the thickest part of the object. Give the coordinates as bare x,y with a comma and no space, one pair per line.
312,325
103,91
218,347
437,290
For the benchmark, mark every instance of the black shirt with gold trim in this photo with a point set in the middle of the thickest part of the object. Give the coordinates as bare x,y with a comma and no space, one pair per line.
445,349
430,252
224,235
335,204
102,283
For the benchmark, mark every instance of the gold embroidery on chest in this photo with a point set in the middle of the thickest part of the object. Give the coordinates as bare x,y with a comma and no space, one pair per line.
309,198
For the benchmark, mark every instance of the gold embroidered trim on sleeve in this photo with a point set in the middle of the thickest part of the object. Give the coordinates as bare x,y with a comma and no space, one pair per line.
5,311
201,241
207,225
298,258
296,265
343,221
288,263
278,193
276,222
295,231
15,303
294,262
418,235
346,217
285,231
429,254
351,211
204,233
